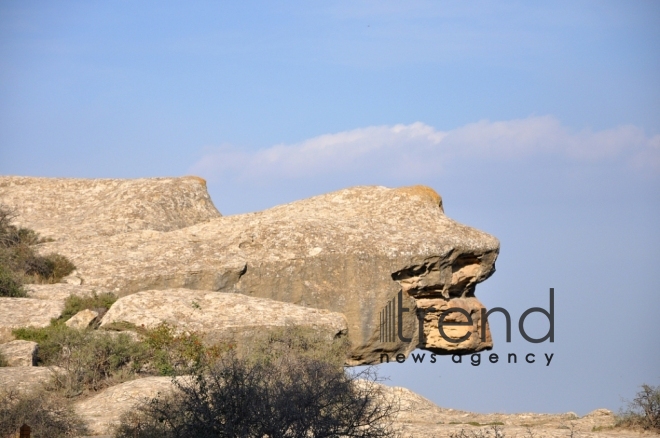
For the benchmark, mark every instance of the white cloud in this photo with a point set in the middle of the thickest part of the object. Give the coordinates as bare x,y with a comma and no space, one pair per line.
421,149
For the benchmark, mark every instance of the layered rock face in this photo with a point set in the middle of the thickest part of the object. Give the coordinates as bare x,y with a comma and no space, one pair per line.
350,252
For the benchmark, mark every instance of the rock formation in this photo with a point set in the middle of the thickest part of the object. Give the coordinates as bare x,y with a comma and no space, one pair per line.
71,208
102,412
219,316
349,252
82,319
25,379
20,353
24,312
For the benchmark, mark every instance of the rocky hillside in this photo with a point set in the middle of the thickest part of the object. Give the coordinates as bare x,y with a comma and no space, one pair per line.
336,263
349,251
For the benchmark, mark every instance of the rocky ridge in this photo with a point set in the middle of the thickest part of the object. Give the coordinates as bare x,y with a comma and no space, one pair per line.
349,252
335,262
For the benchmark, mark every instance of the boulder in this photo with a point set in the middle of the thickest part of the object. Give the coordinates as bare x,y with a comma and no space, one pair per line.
20,353
82,319
23,379
25,312
102,412
350,252
219,316
72,208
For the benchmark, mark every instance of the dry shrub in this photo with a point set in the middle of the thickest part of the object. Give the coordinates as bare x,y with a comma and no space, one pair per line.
48,415
285,385
19,263
643,411
100,303
90,360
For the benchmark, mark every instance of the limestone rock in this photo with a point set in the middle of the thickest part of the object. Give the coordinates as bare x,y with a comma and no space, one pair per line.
420,417
20,353
349,251
24,312
24,379
70,208
218,315
82,319
102,412
59,291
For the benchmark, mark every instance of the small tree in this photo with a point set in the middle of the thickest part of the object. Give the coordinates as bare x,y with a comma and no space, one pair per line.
643,410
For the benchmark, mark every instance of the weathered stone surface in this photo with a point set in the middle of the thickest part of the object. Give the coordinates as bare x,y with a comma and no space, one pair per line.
218,315
20,353
59,291
24,312
24,379
70,208
349,251
82,319
420,417
102,412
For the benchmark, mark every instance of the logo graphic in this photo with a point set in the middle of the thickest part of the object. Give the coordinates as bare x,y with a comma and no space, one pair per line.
391,322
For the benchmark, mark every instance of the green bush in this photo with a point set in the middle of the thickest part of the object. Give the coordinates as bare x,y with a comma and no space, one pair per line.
10,286
173,353
643,411
97,302
48,415
90,359
19,263
301,341
94,359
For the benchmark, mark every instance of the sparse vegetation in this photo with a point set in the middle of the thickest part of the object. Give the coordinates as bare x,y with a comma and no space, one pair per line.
173,353
290,393
270,345
3,361
90,360
10,285
643,411
94,359
495,431
97,302
20,264
47,414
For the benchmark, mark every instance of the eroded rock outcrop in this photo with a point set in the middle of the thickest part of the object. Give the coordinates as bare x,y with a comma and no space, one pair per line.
82,319
25,379
219,316
349,251
20,353
59,291
74,208
102,412
26,312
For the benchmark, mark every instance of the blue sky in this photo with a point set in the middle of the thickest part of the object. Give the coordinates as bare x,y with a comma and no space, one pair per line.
537,122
